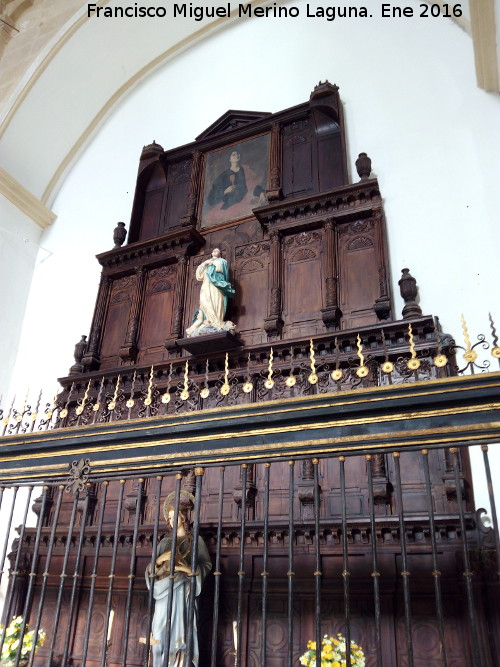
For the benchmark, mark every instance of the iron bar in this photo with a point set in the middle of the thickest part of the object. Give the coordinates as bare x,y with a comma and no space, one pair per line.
111,575
264,574
32,575
62,577
191,626
317,573
13,575
290,573
217,573
404,560
375,573
45,574
435,572
159,481
476,657
131,576
93,576
83,522
171,574
345,561
492,503
241,572
7,532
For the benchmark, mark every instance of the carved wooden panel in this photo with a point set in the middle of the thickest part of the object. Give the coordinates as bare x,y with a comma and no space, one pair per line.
157,314
117,317
251,275
358,273
299,158
153,201
303,288
177,192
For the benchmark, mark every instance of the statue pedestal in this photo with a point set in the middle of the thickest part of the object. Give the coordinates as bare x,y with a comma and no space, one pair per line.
222,341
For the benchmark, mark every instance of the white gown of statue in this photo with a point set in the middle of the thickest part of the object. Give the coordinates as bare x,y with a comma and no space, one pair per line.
179,621
211,298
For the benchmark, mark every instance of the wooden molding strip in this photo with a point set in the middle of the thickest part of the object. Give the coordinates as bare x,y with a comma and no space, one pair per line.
25,201
483,25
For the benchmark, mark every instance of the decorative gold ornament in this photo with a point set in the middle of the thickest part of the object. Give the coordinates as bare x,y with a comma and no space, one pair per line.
290,381
165,398
496,352
205,392
387,367
148,400
5,420
413,364
79,410
470,356
64,413
313,378
224,390
440,360
269,383
336,375
247,387
19,418
362,371
185,392
112,404
96,407
130,403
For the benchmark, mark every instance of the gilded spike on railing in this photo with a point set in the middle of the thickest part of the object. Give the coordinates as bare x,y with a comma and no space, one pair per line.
248,386
112,403
440,359
81,407
166,395
291,380
336,374
205,392
387,367
470,355
148,399
97,404
224,390
362,370
413,363
64,412
313,377
269,383
185,391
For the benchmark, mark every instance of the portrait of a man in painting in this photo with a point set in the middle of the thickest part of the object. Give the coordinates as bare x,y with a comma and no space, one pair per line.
236,179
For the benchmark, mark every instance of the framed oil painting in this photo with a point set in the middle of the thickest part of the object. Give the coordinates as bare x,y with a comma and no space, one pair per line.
235,181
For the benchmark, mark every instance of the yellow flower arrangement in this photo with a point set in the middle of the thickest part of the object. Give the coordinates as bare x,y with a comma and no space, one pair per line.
333,653
12,640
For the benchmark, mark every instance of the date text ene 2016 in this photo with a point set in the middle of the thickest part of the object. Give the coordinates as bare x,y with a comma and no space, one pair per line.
426,10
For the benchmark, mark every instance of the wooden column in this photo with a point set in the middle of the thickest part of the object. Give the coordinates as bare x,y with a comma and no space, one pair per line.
190,217
382,305
331,312
273,325
178,311
91,360
274,193
128,351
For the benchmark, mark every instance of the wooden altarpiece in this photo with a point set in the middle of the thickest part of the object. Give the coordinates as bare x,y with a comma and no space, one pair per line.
308,259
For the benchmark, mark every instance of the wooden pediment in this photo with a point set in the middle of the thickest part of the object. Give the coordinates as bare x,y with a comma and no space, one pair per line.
232,120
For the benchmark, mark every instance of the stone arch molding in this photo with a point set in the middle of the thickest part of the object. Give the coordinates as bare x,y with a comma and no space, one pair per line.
35,120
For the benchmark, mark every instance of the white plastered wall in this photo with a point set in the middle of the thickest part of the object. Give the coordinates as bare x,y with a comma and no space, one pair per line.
411,103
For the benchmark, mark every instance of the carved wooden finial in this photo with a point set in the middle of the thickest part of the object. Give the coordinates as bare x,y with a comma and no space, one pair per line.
409,290
119,234
364,166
